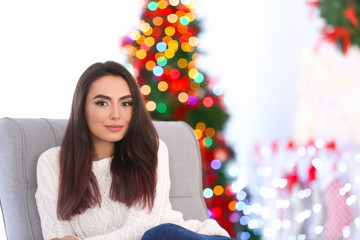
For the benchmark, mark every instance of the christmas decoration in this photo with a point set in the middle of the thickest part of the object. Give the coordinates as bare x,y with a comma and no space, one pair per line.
162,55
342,23
305,191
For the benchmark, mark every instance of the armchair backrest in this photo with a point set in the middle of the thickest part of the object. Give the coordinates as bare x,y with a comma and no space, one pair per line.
23,140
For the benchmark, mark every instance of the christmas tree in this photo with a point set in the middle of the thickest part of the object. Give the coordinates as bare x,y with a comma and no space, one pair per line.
162,55
341,21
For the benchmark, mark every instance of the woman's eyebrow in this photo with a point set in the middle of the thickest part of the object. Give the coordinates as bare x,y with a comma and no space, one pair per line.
109,98
102,96
126,96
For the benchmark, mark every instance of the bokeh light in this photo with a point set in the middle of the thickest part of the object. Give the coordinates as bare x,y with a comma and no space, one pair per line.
161,46
145,89
150,106
158,71
152,6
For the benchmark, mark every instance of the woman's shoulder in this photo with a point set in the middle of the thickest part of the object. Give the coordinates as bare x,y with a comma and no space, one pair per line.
162,148
49,159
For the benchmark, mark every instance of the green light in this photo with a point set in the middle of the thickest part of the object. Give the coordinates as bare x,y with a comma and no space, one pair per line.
161,108
152,6
207,141
129,67
208,193
162,61
184,20
199,78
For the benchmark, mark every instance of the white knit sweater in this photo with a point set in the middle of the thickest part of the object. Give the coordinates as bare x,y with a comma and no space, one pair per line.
113,221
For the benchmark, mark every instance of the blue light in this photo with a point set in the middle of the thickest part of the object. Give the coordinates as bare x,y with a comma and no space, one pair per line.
240,205
218,90
245,236
161,46
208,193
158,71
244,220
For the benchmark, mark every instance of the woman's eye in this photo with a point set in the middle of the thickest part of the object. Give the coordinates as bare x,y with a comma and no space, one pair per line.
101,103
125,104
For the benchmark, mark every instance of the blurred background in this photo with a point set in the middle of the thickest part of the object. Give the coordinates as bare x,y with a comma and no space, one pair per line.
270,88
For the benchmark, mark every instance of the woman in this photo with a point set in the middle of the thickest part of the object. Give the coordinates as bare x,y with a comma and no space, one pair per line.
110,177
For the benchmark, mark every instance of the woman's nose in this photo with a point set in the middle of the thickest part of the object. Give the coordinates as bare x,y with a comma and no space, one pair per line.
115,114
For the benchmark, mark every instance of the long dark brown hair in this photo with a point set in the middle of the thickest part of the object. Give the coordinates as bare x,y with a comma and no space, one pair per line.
133,167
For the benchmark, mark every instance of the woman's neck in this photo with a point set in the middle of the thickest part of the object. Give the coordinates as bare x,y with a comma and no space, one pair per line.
103,150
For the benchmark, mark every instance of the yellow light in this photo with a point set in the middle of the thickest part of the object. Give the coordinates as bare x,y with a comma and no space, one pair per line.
150,65
141,39
169,53
172,18
141,54
173,44
134,35
218,190
182,63
210,132
201,126
198,133
163,86
145,90
186,47
191,16
149,32
144,27
194,85
193,41
183,97
167,39
150,106
170,31
149,41
158,21
162,4
193,73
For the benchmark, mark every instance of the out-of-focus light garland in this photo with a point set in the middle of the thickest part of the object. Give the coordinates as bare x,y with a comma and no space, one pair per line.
290,186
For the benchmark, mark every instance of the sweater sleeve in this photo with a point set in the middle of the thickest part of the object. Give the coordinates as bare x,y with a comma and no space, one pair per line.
46,197
138,220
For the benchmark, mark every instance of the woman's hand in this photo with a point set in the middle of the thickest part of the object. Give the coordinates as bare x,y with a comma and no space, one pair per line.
69,238
66,238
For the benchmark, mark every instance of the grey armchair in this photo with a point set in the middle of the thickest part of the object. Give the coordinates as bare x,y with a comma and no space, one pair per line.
23,140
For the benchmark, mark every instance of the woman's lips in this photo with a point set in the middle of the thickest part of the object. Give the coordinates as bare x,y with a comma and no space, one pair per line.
114,128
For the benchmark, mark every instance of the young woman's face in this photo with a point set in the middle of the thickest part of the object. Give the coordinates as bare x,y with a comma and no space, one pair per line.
108,109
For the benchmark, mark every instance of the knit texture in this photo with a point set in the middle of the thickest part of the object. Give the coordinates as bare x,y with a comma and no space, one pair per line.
113,220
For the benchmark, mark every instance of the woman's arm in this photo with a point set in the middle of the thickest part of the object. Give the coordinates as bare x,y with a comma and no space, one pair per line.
46,197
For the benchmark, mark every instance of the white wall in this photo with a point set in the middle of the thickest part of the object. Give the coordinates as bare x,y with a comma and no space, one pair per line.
46,45
252,47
